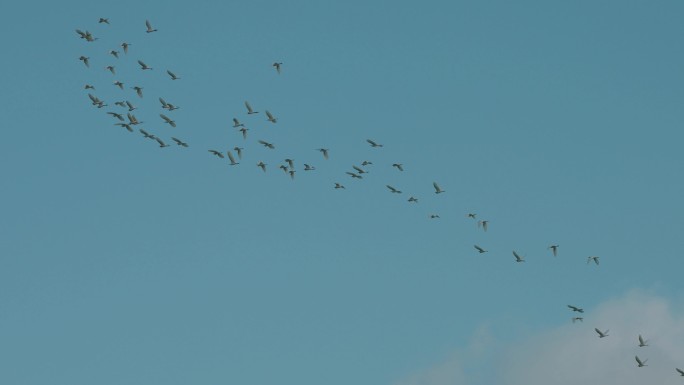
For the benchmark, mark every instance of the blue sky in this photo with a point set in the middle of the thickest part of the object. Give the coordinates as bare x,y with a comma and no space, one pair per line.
559,123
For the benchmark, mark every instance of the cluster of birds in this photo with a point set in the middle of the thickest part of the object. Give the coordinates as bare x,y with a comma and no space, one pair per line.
126,119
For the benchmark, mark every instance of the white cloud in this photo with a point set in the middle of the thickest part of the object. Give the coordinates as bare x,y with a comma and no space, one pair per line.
573,353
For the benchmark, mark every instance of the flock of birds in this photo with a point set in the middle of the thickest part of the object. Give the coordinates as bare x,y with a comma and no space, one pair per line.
126,119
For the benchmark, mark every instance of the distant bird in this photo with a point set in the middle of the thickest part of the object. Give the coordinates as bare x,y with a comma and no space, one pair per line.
554,249
238,151
179,142
114,53
283,167
126,126
308,167
359,170
161,143
236,123
366,163
138,90
471,215
131,107
89,87
103,20
577,309
483,224
398,166
96,101
85,59
290,163
337,185
595,259
173,76
640,363
354,175
601,334
163,103
575,319
250,111
270,117
438,190
373,144
232,160
479,249
292,174
168,120
680,371
86,35
146,134
132,120
120,104
413,200
518,258
149,27
244,132
111,69
144,66
217,153
125,45
324,151
118,116
262,165
119,84
434,216
642,342
266,144
277,66
393,190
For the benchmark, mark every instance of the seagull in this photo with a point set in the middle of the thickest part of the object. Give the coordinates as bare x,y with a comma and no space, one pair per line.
680,371
393,190
308,167
217,153
250,111
413,200
642,342
518,258
601,334
149,27
236,123
161,143
167,120
639,362
119,84
354,175
114,53
125,45
373,144
232,160
270,117
85,59
479,249
266,144
179,142
575,319
143,66
103,20
577,309
595,259
173,76
262,165
399,166
471,215
111,69
277,66
138,90
483,224
126,126
324,151
438,190
337,185
238,150
554,249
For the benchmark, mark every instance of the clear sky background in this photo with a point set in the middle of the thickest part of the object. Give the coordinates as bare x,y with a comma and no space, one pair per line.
558,122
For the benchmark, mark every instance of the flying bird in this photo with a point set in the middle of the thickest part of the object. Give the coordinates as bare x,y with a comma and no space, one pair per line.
250,111
640,363
244,132
373,144
324,151
354,175
554,249
438,190
236,123
601,334
232,160
111,69
270,117
413,200
179,142
118,116
277,66
217,153
130,105
434,216
114,53
642,342
483,224
518,258
337,185
393,190
132,120
398,166
575,319
144,66
366,163
103,20
595,259
149,27
168,120
125,45
680,371
471,215
119,84
359,170
138,90
479,249
290,163
146,134
173,76
238,150
161,143
89,87
262,165
266,144
125,125
577,309
308,167
86,35
85,59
